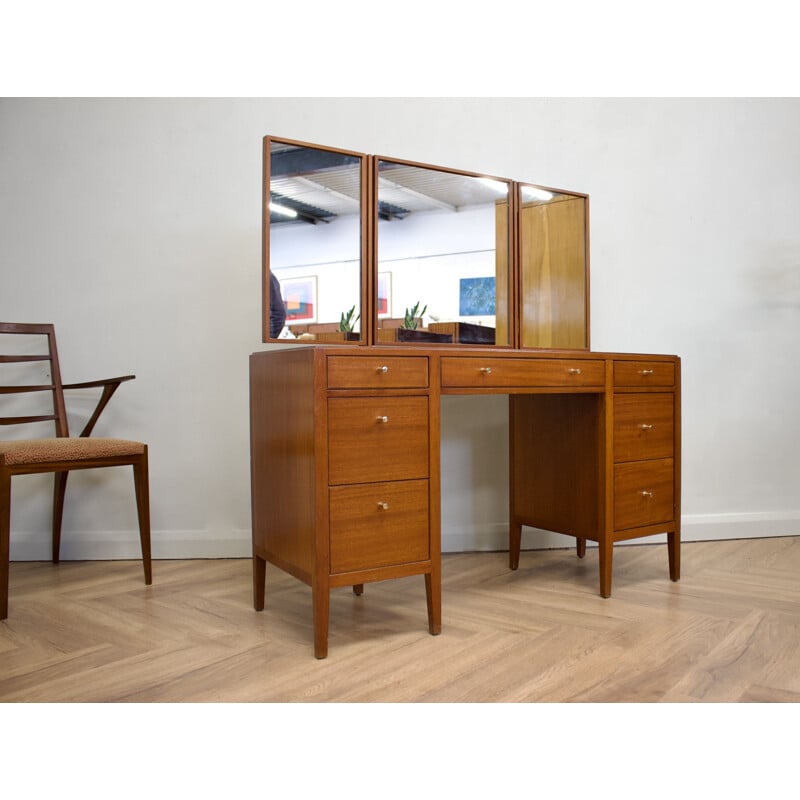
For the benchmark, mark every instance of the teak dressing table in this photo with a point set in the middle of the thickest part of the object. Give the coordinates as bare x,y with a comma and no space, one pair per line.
345,443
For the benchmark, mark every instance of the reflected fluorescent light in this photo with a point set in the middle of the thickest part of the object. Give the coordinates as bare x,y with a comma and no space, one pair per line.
497,186
279,209
532,193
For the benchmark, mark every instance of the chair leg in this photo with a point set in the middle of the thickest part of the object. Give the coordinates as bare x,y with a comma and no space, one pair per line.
141,482
5,535
59,490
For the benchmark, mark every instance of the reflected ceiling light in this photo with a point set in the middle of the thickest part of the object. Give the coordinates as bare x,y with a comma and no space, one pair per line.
279,209
532,193
498,186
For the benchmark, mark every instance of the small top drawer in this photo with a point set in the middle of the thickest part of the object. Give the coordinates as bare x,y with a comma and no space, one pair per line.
507,372
644,373
376,372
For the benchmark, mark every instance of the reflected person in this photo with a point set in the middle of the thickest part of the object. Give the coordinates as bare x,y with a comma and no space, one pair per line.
277,308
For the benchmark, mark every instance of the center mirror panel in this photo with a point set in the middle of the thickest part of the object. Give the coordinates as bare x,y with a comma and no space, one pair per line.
314,242
442,256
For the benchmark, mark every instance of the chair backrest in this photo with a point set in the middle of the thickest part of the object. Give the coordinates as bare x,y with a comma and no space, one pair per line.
35,346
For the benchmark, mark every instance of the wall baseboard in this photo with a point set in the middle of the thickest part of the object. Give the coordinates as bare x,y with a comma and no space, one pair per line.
236,544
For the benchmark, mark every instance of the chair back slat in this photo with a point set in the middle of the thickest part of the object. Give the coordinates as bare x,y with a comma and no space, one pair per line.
58,413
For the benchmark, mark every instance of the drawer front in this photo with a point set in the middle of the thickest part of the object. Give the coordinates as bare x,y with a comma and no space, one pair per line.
643,493
377,439
506,372
394,372
643,426
378,525
644,373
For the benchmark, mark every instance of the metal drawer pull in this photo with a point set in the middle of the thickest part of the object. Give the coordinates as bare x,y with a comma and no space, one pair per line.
646,427
383,506
486,370
645,371
383,419
574,371
646,493
384,369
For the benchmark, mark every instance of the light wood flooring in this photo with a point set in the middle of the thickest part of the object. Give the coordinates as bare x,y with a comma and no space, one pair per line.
729,631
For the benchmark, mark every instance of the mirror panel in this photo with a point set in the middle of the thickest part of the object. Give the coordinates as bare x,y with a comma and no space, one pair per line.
553,268
442,256
313,242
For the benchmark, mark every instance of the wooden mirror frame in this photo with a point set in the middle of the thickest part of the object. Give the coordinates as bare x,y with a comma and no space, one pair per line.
562,281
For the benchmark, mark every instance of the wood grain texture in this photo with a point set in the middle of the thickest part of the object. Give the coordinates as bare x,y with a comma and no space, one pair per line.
728,632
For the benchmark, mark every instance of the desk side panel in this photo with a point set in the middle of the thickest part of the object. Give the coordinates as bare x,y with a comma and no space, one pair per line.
282,427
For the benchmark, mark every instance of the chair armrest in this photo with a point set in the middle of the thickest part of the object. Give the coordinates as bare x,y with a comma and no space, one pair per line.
103,382
110,385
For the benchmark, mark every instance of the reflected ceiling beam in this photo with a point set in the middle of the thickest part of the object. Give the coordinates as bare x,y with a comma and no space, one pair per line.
386,183
355,202
303,160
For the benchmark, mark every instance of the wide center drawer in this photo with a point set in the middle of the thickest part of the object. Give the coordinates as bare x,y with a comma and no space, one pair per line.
643,426
378,525
377,372
377,439
507,372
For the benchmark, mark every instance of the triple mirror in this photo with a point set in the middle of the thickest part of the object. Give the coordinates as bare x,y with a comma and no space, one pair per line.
372,250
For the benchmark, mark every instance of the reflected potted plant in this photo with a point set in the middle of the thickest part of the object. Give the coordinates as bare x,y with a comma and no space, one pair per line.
413,317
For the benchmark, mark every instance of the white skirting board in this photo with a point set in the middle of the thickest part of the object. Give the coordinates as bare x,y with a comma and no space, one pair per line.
236,543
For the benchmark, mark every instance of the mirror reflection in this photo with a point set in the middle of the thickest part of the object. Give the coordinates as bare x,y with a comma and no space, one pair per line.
553,268
442,256
314,243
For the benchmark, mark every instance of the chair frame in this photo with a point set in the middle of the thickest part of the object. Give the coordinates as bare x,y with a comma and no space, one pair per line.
61,469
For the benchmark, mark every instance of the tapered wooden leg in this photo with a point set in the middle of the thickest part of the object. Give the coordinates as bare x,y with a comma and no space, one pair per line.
606,551
580,547
142,484
5,535
674,554
514,544
59,490
259,582
320,601
358,589
433,595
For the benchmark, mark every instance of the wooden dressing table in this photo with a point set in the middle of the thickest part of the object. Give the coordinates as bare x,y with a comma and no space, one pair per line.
346,470
345,438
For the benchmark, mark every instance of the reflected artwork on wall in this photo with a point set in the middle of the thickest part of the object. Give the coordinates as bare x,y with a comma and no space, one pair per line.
476,297
384,294
300,296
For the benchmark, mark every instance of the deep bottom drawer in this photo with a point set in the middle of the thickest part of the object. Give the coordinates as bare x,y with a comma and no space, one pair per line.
643,493
378,525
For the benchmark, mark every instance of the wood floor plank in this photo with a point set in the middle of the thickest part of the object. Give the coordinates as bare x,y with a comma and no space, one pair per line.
729,631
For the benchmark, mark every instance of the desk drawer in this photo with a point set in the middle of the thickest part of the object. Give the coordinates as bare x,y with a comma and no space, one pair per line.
644,373
403,372
377,439
378,525
507,372
643,493
643,426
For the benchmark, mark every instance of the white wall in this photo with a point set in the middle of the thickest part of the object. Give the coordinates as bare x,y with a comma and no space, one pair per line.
133,225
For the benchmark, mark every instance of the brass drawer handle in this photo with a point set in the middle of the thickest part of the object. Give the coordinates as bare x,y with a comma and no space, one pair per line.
646,427
383,506
382,420
486,370
646,493
646,371
383,370
574,371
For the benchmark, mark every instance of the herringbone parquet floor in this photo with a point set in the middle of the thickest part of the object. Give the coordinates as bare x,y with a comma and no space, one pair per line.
729,631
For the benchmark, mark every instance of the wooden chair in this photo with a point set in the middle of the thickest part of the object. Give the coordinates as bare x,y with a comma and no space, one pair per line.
61,453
